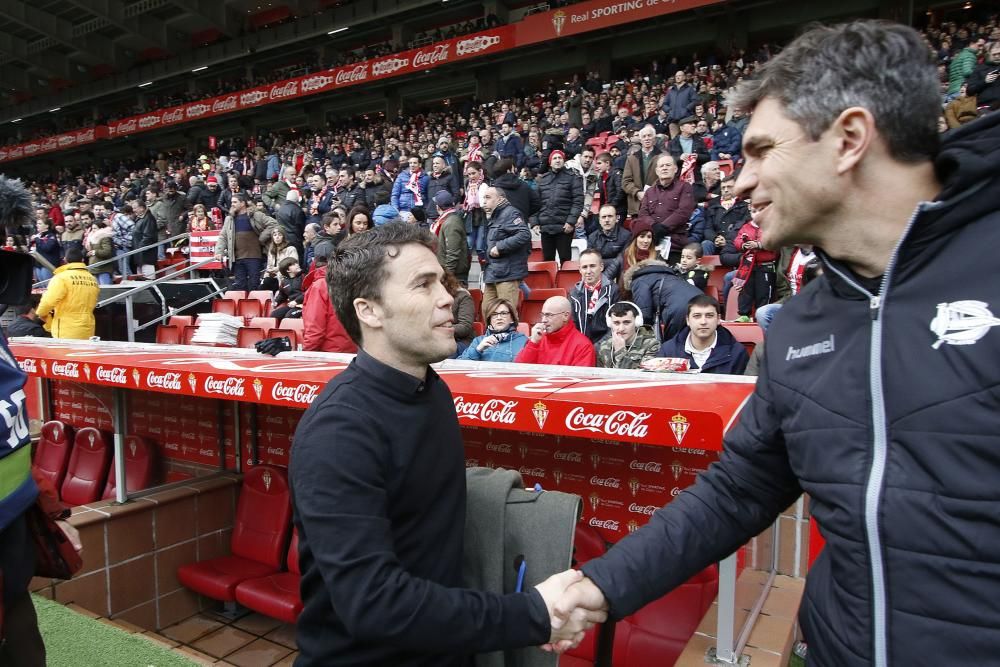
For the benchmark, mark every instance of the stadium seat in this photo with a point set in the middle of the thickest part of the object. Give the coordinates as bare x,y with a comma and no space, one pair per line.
478,328
265,297
748,333
88,467
52,452
477,302
181,320
587,544
260,534
732,308
249,308
570,265
247,337
140,467
295,324
524,328
224,306
710,261
658,633
726,167
187,334
264,323
235,295
567,279
168,335
276,595
536,252
549,268
531,309
293,336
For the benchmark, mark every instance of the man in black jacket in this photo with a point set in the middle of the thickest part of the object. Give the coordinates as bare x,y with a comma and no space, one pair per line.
874,398
609,238
26,322
508,246
521,196
381,556
561,192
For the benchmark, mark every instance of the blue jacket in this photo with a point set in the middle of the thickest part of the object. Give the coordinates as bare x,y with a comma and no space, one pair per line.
728,357
882,410
384,213
511,146
680,102
402,198
509,234
505,351
727,140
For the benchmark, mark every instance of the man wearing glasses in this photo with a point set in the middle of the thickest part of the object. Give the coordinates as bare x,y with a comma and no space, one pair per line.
555,341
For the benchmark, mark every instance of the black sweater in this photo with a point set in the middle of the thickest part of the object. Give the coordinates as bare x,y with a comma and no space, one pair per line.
378,488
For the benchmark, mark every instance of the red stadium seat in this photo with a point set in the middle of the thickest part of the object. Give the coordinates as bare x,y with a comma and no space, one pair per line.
88,467
726,167
52,452
587,544
181,320
293,336
531,309
224,306
710,261
263,323
295,324
187,334
140,467
717,279
276,595
547,267
235,294
250,308
167,334
478,328
567,279
657,633
748,333
247,337
477,303
732,309
265,297
260,534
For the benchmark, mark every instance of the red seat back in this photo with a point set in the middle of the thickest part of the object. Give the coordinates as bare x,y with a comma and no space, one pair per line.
658,633
544,267
567,279
181,320
293,336
187,334
234,294
748,333
294,323
167,334
250,308
224,306
293,553
88,467
263,323
247,337
263,516
52,453
140,467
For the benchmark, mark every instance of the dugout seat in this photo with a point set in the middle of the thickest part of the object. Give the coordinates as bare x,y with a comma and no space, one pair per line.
88,467
140,467
53,451
276,595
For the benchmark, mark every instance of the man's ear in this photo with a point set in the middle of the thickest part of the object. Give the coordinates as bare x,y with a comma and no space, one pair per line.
854,132
368,313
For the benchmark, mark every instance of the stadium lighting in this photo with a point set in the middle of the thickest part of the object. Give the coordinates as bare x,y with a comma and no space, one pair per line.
17,120
55,110
148,83
199,69
336,30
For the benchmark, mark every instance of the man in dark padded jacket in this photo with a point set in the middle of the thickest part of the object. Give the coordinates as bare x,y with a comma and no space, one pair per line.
378,482
877,396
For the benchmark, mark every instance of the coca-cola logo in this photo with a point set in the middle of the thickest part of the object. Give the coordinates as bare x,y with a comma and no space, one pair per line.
429,58
63,140
303,393
85,135
276,451
645,466
389,65
230,386
69,369
252,97
189,436
475,44
172,446
126,126
499,447
618,423
607,524
531,472
278,92
353,75
206,452
17,152
171,381
574,457
173,116
493,411
676,491
607,482
113,374
224,104
196,110
149,121
686,450
28,365
31,149
318,82
642,509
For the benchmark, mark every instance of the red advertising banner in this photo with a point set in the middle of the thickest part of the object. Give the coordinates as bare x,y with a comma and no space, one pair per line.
54,143
595,15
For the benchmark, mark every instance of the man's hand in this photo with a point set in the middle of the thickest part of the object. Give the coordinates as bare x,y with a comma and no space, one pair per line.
568,228
720,241
617,342
494,252
537,332
568,626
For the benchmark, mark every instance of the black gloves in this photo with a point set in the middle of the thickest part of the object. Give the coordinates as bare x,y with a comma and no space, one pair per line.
274,346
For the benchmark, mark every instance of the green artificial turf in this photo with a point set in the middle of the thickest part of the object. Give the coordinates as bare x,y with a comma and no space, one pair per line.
73,640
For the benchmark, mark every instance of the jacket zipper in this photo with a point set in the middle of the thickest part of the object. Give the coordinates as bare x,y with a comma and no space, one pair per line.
880,446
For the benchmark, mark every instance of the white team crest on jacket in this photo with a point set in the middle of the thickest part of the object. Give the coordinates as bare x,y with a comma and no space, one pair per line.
962,322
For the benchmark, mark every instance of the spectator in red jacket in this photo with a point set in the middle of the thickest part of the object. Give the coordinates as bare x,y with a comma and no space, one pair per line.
323,332
555,340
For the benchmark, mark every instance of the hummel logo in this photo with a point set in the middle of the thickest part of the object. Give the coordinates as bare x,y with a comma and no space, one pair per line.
823,347
962,322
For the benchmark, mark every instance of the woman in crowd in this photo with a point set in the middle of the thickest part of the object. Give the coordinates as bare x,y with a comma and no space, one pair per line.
639,248
287,300
361,220
278,249
502,341
46,243
199,220
100,247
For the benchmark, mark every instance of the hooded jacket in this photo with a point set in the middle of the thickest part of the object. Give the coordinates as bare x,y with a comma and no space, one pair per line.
522,196
661,294
322,330
100,241
67,306
442,182
882,409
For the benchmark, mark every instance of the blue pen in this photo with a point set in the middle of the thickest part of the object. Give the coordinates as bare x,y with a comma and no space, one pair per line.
520,574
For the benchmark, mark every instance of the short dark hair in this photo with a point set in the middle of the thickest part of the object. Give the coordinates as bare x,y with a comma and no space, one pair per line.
285,263
703,300
74,253
381,197
592,251
623,308
502,166
359,268
696,248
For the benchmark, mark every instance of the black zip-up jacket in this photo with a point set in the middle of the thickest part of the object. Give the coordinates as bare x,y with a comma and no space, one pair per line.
522,196
508,233
561,193
381,555
609,245
885,410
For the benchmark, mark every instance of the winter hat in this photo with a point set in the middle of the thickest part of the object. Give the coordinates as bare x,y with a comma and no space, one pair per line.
556,152
640,227
444,199
212,179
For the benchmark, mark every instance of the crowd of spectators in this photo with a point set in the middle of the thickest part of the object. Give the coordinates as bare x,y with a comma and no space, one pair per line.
639,171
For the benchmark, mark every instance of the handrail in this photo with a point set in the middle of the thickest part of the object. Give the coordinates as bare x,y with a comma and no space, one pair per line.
146,284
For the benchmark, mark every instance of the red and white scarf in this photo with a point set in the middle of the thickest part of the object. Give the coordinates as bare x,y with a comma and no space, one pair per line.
436,225
315,200
687,168
472,195
413,185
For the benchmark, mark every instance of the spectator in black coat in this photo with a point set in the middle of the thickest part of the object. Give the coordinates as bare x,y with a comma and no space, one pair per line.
686,144
292,220
143,234
561,192
521,196
26,322
288,298
609,238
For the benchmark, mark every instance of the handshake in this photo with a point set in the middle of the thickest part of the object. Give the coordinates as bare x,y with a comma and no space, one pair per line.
575,605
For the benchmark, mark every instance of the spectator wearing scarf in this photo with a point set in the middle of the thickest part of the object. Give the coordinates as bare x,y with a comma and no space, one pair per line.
502,341
410,188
